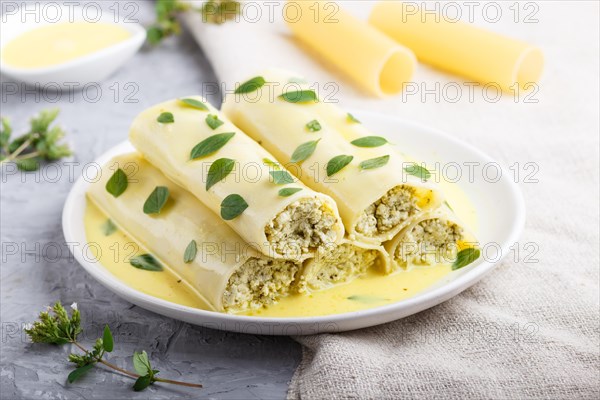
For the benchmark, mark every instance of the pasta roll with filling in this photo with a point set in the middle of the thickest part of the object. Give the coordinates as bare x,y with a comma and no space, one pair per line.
202,151
225,272
341,264
333,153
432,238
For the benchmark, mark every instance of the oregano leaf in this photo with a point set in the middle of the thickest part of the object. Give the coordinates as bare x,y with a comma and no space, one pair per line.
213,121
281,177
166,118
251,85
369,141
232,206
418,171
374,162
313,126
465,257
79,372
299,96
146,262
107,339
117,183
218,170
197,104
210,145
286,192
337,163
304,151
190,252
157,200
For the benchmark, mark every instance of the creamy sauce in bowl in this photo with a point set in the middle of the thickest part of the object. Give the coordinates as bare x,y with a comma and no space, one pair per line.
368,291
59,43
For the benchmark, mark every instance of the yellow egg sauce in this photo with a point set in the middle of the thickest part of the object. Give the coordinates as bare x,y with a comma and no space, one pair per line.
115,249
59,43
368,291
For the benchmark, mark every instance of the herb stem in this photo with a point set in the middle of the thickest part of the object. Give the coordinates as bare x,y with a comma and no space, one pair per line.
19,150
194,385
22,147
133,374
124,371
28,155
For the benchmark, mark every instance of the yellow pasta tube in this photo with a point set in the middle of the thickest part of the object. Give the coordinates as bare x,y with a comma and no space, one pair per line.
200,150
368,57
226,272
458,47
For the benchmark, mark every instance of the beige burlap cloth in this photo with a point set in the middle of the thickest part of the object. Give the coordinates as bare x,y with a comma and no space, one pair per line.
531,328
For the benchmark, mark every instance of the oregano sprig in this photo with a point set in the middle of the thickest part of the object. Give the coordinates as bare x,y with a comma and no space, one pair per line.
167,13
56,326
41,143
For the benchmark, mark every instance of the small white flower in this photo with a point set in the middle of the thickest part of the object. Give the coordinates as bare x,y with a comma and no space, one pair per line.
74,306
27,327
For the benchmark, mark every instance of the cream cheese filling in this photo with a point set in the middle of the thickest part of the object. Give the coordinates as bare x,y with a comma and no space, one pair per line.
257,283
429,242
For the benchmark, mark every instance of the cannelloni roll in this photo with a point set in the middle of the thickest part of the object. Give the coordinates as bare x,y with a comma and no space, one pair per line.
383,66
458,47
431,238
333,153
200,150
340,264
229,274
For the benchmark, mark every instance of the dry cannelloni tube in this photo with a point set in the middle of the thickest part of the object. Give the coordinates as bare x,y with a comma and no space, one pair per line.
184,235
341,263
458,47
370,58
200,150
435,237
333,153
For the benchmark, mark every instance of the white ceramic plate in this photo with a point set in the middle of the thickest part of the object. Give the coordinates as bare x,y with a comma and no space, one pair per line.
498,202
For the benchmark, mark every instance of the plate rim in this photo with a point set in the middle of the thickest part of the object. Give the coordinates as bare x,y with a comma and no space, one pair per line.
329,323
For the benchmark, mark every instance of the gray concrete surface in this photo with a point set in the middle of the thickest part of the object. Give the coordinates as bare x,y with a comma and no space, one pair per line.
36,269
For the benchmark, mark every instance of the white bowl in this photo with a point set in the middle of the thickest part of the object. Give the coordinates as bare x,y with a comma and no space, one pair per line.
93,67
499,206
